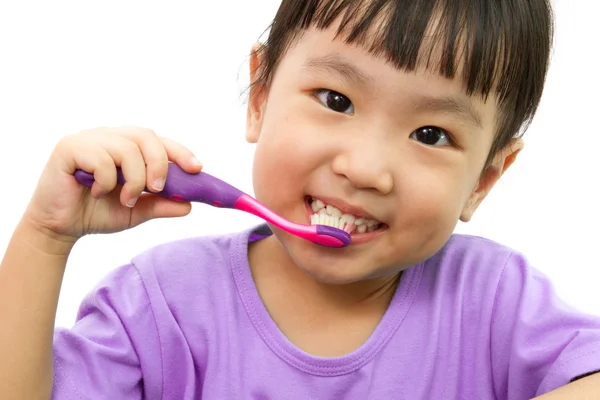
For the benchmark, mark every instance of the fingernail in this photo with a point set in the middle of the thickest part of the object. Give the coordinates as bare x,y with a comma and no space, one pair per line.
159,184
131,203
196,162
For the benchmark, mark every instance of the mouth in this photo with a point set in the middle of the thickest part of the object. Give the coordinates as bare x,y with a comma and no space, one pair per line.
359,224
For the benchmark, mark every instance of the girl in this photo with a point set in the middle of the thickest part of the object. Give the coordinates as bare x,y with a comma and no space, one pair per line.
398,115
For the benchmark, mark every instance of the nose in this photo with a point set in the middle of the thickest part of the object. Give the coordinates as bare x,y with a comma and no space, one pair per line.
364,172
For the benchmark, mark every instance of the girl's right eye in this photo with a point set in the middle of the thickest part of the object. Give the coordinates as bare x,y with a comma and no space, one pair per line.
335,101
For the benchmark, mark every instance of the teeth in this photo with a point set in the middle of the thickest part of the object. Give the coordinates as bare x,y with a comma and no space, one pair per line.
317,205
332,216
331,210
348,219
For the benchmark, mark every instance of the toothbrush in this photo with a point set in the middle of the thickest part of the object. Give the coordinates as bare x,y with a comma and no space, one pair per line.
205,188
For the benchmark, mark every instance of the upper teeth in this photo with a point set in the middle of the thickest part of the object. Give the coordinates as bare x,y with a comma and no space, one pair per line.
317,205
332,216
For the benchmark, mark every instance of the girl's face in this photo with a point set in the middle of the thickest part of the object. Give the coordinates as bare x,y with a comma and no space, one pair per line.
404,149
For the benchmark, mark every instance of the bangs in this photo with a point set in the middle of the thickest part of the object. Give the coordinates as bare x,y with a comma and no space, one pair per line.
491,46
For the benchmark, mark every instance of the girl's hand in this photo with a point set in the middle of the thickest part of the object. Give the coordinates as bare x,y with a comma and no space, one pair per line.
65,209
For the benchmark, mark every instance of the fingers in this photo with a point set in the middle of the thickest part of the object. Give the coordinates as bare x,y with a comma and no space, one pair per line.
180,155
150,207
127,155
142,156
89,156
154,155
157,152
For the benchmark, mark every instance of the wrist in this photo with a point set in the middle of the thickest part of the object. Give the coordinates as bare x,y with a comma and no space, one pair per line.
44,240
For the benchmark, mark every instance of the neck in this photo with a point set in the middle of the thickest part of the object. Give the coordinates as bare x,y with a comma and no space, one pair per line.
321,319
270,262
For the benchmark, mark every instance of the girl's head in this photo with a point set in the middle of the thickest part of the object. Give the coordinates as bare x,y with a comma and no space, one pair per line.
405,111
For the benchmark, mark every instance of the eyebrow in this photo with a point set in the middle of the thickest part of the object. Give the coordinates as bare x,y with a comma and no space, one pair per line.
339,65
457,105
336,64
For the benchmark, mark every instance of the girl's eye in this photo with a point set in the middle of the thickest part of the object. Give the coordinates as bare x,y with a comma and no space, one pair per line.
431,136
335,101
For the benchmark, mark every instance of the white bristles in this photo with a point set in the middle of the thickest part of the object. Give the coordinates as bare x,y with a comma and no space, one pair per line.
331,216
329,220
349,228
345,222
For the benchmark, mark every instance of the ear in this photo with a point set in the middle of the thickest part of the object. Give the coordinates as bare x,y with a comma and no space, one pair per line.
503,160
257,96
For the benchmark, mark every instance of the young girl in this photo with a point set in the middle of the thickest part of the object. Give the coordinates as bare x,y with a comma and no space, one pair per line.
398,115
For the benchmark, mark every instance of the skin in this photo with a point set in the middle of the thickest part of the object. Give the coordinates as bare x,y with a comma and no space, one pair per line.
367,159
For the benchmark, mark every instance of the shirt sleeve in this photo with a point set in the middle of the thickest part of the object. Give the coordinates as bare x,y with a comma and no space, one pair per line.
538,342
103,356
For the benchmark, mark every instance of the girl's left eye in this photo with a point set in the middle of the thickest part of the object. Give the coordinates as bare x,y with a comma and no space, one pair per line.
431,136
335,101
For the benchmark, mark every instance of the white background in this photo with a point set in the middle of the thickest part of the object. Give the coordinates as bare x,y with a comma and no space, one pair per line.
180,67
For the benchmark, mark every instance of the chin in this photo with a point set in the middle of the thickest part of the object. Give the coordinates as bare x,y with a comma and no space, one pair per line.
348,273
333,274
332,266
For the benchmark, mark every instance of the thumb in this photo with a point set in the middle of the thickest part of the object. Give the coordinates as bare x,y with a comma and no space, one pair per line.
150,206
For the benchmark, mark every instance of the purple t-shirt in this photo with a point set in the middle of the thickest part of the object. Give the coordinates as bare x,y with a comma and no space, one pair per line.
184,321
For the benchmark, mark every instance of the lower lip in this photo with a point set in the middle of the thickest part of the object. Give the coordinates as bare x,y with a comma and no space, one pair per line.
355,238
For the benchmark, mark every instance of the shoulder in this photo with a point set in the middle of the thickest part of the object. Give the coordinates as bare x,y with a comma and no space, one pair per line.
465,250
537,341
476,269
475,257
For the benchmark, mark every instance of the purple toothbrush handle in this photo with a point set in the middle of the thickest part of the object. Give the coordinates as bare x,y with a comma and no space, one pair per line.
182,186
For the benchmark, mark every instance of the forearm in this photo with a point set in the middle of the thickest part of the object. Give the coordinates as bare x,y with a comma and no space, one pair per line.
584,389
30,279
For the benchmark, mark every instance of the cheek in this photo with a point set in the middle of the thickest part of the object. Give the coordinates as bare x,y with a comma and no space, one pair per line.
432,202
284,157
427,215
293,133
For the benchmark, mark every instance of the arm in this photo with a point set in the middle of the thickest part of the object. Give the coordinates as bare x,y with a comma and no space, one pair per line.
585,388
59,212
540,344
30,278
98,356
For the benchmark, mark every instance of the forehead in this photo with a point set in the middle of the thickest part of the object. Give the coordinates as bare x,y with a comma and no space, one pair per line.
455,38
325,47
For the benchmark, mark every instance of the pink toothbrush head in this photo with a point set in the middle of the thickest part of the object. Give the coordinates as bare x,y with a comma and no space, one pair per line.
205,188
